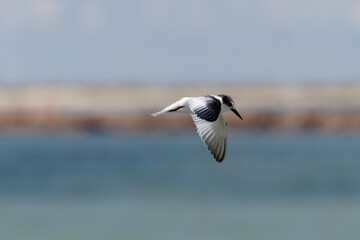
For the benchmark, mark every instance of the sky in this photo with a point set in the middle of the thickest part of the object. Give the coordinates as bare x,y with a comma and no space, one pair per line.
174,41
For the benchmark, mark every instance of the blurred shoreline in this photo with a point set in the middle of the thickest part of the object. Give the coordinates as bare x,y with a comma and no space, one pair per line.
328,108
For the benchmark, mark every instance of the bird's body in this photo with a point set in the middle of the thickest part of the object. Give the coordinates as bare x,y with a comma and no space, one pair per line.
206,112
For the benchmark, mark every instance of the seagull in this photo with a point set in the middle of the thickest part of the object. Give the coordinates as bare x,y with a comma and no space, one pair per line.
207,114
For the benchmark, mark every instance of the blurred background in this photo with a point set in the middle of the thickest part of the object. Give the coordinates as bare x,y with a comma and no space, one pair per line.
81,157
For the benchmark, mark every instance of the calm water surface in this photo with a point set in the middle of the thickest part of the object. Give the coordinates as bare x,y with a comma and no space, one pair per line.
167,186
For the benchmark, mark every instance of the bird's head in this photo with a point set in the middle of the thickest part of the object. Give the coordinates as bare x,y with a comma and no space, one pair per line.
229,103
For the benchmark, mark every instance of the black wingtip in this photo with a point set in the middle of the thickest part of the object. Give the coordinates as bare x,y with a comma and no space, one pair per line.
219,160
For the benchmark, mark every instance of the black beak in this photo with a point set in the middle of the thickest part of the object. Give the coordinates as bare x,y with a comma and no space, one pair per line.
236,113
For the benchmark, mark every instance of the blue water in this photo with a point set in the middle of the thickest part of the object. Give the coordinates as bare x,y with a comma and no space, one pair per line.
168,186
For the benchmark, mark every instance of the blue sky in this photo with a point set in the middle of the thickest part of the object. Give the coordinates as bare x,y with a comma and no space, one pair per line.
171,41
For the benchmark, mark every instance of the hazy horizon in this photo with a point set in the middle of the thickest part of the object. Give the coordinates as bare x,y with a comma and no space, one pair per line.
182,82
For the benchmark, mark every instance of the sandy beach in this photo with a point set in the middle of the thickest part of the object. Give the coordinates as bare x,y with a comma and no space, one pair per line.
119,108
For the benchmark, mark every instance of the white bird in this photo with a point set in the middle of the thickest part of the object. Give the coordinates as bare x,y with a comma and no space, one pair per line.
206,112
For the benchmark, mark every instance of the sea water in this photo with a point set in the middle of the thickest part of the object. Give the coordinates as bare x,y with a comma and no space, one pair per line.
168,186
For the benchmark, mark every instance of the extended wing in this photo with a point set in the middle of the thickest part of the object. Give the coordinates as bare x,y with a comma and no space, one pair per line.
213,134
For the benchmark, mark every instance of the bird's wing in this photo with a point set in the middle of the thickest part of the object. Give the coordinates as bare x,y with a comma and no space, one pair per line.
206,107
213,134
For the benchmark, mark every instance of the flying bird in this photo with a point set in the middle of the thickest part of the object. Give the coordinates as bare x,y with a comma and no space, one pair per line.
207,114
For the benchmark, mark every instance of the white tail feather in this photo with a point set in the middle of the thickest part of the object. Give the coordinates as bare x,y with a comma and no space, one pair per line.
173,107
157,113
